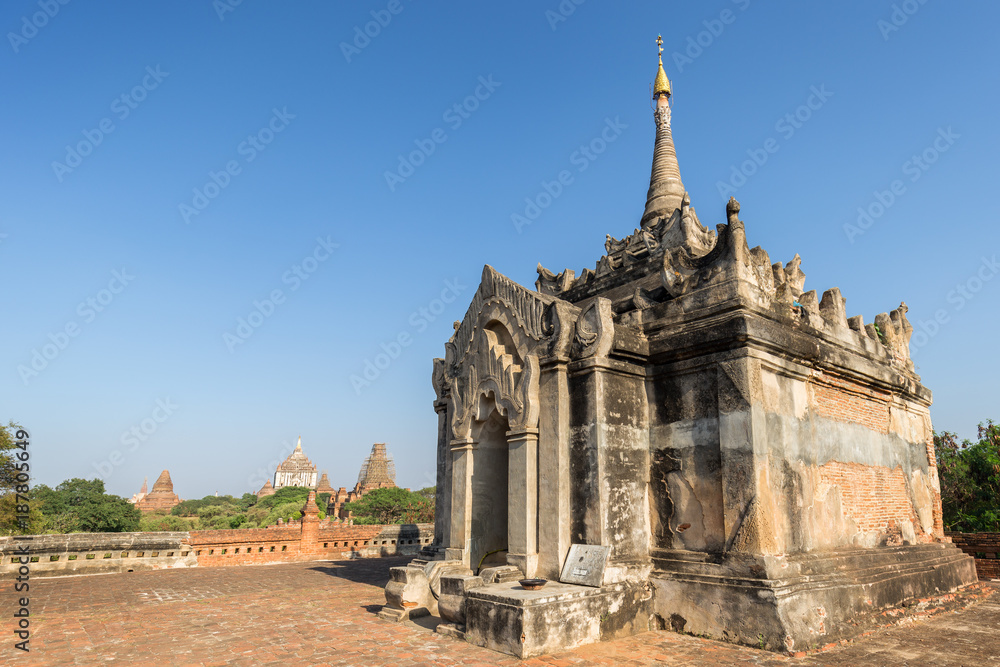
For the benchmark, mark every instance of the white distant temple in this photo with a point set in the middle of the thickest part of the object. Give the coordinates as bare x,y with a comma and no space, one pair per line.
143,492
296,470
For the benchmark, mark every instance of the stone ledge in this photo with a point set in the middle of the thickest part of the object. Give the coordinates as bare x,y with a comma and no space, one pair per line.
515,596
831,601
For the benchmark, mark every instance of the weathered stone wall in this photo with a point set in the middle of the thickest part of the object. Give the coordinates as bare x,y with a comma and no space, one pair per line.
685,463
851,466
984,547
91,553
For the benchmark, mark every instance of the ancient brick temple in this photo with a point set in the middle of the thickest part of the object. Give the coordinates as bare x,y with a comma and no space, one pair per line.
377,472
296,470
162,498
324,486
756,466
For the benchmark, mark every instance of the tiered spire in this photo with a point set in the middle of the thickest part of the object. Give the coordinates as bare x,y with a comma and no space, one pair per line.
666,191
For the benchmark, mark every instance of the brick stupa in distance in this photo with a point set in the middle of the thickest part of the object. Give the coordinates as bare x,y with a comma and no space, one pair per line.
162,498
377,472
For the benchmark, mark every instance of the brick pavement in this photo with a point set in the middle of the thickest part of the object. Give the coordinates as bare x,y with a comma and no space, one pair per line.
323,613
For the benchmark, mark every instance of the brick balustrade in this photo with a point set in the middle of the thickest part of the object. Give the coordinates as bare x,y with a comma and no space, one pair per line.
984,547
80,553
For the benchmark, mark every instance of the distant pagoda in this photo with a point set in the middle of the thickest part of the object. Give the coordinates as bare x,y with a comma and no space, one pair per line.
162,498
378,471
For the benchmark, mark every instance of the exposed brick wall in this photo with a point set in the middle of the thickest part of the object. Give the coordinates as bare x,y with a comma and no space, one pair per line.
86,553
874,497
284,544
838,398
984,547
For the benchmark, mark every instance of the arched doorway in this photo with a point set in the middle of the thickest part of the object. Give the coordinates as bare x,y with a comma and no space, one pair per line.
489,529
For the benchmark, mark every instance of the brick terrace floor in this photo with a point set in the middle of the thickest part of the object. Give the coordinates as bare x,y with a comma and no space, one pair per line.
323,613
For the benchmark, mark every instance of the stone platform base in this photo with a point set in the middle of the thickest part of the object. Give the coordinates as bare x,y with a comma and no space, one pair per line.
413,589
794,603
452,630
507,618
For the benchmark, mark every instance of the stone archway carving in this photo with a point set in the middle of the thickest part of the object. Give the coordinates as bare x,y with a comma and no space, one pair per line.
498,363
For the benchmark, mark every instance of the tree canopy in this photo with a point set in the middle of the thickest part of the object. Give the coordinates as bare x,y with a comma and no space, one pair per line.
80,505
970,480
14,462
392,506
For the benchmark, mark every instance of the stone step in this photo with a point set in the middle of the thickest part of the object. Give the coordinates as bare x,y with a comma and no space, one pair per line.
431,553
503,574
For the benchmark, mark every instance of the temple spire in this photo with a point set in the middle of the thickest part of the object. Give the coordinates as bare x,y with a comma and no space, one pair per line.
298,445
666,191
661,86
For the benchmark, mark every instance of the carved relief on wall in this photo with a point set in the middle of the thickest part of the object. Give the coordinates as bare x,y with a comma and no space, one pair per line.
595,330
499,369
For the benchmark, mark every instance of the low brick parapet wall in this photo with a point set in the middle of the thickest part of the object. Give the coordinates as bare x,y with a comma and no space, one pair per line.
281,545
984,547
92,553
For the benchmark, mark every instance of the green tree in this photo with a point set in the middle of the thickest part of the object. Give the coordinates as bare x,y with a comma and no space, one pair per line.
193,507
970,480
13,458
14,492
80,505
391,506
156,522
11,522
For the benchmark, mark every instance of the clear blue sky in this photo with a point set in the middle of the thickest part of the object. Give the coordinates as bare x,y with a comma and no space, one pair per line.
329,121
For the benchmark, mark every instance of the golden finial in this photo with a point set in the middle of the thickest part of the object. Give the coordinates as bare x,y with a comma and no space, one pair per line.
661,86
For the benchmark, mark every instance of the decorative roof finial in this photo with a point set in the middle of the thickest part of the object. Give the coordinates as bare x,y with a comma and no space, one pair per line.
298,445
661,86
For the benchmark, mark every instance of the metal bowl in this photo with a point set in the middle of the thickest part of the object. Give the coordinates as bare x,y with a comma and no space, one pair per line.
532,584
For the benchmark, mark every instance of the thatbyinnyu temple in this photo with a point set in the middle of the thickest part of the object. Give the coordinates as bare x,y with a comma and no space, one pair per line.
680,438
